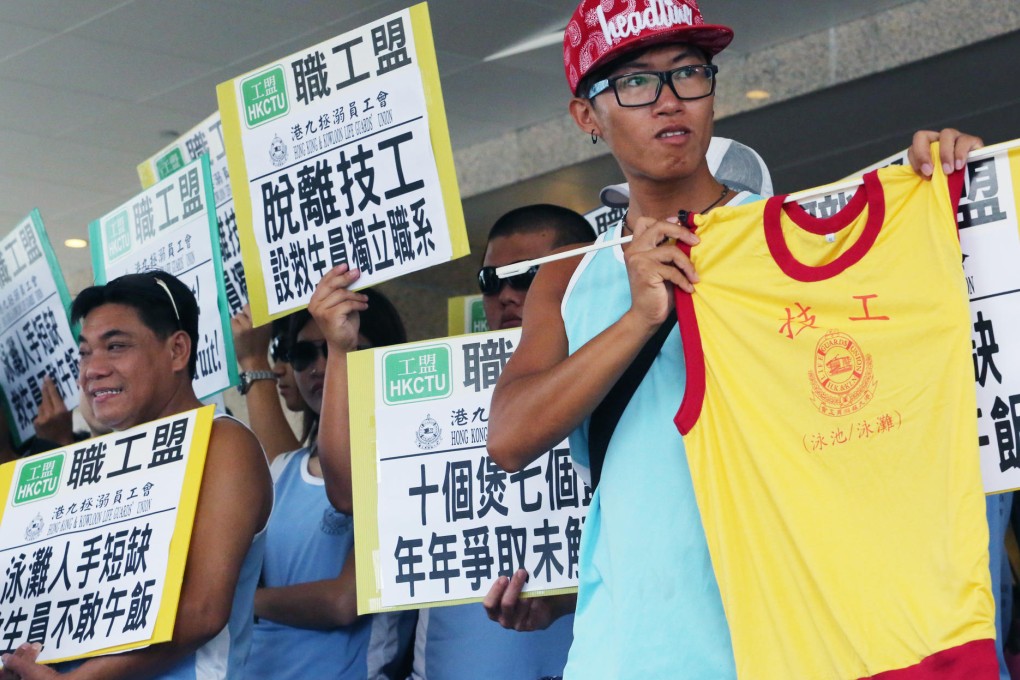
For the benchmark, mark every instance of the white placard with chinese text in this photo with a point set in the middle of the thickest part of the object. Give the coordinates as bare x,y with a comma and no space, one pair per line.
35,335
172,226
604,217
990,238
94,538
450,520
207,138
340,154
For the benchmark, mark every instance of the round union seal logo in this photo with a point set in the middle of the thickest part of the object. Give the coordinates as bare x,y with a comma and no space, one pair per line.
35,528
842,378
429,433
277,151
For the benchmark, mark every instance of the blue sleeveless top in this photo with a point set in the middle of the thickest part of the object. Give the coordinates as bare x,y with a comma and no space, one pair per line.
308,540
648,604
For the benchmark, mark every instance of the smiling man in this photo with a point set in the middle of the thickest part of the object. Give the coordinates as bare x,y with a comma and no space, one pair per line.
137,345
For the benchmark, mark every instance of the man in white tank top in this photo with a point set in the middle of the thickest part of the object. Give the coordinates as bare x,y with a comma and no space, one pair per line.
138,335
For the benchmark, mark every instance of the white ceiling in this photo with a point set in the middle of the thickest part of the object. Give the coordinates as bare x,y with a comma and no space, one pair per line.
89,88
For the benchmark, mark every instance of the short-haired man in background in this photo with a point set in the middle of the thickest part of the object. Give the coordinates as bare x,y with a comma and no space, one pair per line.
522,234
459,642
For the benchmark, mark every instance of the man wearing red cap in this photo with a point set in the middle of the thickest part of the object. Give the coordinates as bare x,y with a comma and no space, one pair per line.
648,604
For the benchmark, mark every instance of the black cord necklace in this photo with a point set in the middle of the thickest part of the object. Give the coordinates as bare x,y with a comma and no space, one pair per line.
683,215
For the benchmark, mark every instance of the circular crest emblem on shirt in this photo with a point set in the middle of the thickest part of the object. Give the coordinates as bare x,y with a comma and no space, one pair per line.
429,433
842,378
277,151
35,528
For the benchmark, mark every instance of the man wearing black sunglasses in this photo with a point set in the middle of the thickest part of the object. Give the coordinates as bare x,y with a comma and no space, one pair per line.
523,234
458,642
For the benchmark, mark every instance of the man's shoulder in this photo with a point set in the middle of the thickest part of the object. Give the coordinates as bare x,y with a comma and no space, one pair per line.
228,430
554,277
221,419
236,453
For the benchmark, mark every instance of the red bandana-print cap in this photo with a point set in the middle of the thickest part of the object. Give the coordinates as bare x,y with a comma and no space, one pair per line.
601,30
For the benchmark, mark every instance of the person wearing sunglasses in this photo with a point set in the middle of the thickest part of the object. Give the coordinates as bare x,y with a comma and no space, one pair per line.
266,378
642,81
286,384
306,603
523,234
460,642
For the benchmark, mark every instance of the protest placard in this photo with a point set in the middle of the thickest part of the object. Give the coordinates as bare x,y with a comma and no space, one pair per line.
990,240
340,154
465,314
604,217
172,226
35,335
207,138
94,538
436,520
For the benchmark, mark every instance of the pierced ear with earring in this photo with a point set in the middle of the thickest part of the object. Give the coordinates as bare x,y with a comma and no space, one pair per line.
594,137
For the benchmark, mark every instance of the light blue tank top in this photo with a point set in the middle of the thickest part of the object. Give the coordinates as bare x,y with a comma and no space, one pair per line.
648,604
461,643
308,540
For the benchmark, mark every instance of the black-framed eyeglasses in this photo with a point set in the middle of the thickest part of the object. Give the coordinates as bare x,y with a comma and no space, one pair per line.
642,88
304,353
490,284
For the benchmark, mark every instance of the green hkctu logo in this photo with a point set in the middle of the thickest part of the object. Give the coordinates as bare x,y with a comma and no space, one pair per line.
417,375
39,479
478,321
264,97
170,163
118,235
